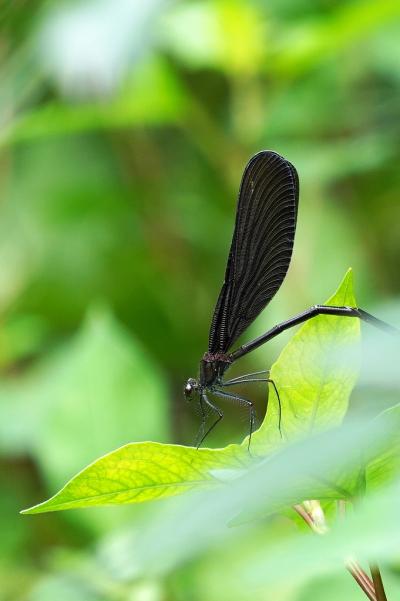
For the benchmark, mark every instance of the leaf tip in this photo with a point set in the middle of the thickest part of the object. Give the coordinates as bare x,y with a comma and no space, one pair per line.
26,511
39,508
344,294
349,275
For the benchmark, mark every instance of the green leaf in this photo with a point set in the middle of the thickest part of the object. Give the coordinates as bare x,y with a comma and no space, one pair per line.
314,375
141,472
314,381
177,532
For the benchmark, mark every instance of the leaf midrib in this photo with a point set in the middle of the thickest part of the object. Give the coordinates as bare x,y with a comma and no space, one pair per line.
129,490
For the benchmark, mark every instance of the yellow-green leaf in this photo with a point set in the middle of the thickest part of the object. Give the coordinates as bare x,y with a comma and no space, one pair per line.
314,374
144,471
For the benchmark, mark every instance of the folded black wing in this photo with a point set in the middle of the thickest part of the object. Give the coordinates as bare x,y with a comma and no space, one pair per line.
261,246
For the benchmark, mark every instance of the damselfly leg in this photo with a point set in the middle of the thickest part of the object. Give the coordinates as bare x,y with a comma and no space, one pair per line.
247,379
242,401
204,403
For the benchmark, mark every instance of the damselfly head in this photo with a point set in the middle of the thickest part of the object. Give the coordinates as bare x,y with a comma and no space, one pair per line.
190,388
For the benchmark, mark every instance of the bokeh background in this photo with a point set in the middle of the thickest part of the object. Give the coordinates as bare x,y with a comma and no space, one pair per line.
125,126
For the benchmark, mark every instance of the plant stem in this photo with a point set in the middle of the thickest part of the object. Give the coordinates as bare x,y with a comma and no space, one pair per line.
362,579
378,584
372,588
304,514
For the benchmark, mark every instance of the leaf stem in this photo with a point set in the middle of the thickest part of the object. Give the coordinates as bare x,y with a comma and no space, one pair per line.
362,579
372,588
304,514
378,583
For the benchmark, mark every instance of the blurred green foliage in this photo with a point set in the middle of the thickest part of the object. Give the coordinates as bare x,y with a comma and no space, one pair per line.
124,128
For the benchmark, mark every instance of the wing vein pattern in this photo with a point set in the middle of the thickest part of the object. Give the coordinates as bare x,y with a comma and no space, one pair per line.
261,246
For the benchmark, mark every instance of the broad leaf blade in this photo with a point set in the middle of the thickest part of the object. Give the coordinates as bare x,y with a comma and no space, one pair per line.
314,374
144,471
314,391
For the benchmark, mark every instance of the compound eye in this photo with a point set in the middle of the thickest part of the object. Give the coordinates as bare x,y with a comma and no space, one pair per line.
190,387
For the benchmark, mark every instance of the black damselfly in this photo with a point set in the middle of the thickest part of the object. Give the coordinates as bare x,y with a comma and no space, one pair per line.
258,260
